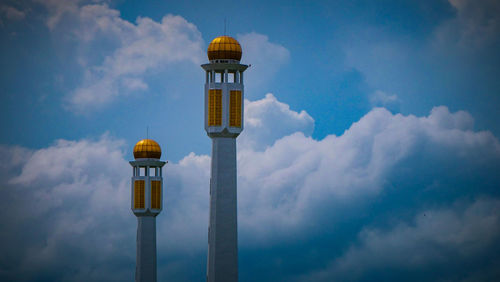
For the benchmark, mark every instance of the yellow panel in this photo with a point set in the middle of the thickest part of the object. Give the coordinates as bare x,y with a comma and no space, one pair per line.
139,196
235,108
155,194
214,107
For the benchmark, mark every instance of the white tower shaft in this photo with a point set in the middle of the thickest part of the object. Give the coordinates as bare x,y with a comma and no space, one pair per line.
223,235
146,249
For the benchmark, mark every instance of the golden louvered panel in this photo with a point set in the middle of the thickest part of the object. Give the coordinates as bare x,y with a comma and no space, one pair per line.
235,108
156,194
214,107
139,195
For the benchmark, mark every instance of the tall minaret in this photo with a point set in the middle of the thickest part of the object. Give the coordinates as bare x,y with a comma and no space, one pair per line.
223,123
147,203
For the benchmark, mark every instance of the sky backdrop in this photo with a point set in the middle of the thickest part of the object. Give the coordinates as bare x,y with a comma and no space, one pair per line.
370,151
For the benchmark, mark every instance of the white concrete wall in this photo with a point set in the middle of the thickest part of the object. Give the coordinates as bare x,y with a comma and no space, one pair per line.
146,249
222,261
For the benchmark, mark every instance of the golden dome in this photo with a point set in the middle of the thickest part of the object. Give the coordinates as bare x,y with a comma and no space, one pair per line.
147,149
224,48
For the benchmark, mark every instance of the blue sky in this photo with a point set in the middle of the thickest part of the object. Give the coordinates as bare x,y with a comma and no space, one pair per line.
370,147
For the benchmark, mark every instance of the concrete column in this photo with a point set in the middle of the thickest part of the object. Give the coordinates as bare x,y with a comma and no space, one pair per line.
146,249
223,229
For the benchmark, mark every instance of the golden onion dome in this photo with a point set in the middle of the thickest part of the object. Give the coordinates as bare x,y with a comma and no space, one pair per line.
224,48
147,149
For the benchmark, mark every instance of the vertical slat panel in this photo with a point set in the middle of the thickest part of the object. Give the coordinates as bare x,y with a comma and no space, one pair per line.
155,194
139,195
214,107
235,108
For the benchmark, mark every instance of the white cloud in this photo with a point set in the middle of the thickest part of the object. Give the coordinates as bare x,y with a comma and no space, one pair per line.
265,57
58,9
421,65
75,198
381,58
135,84
476,24
72,161
298,174
382,99
68,199
186,201
117,56
435,238
11,13
135,50
75,194
268,119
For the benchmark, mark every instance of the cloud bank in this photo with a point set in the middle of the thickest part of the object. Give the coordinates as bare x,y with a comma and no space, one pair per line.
392,194
439,238
132,51
118,58
11,13
266,59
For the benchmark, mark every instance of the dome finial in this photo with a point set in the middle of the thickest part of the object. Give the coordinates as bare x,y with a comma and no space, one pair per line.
224,48
147,149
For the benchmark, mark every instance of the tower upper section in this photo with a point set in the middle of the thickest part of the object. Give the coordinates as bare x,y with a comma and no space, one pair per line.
224,48
147,180
224,99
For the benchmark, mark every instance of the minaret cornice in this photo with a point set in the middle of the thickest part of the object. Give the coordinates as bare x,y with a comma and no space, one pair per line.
148,162
224,66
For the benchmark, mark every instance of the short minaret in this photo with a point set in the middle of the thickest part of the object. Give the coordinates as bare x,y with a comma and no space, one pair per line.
147,203
223,123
